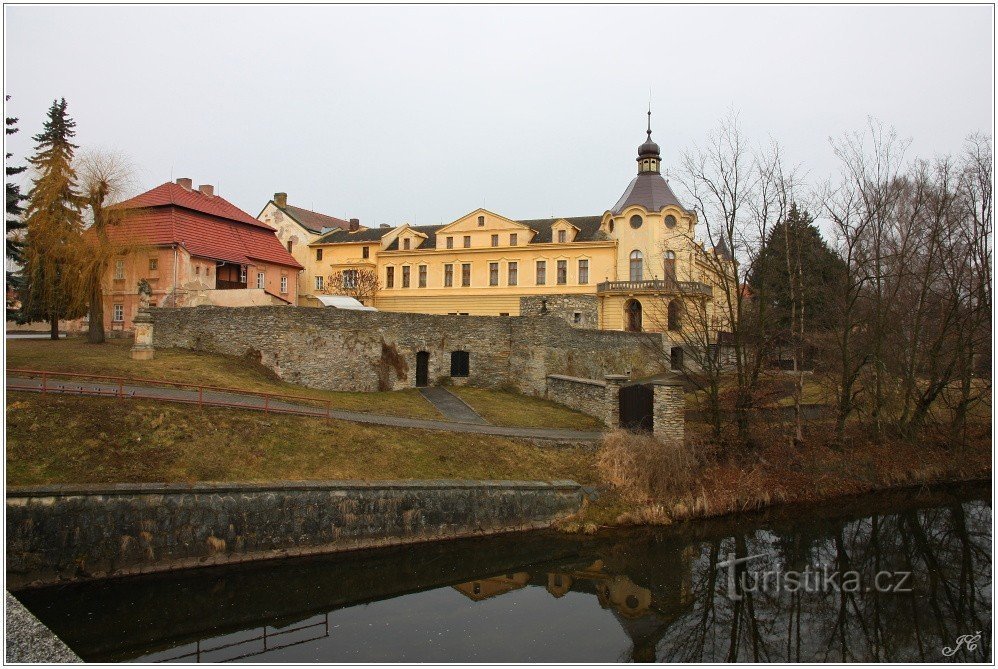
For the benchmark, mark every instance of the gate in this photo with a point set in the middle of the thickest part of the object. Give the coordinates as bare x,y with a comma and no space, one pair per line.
637,403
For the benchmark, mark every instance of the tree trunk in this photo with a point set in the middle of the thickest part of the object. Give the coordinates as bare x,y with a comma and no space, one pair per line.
54,326
95,335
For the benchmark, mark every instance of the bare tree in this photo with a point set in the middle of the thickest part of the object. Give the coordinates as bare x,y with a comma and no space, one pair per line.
105,177
361,284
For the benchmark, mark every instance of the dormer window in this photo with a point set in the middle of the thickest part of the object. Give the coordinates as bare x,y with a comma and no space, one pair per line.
562,236
406,244
481,221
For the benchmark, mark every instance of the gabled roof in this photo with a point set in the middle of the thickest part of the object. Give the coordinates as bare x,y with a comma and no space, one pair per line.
171,193
313,221
200,226
649,190
362,235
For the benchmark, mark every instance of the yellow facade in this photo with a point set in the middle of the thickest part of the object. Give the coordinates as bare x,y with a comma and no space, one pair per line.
641,250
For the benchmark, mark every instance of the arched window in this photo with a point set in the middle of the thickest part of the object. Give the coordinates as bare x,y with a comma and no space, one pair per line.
632,316
670,265
675,311
637,266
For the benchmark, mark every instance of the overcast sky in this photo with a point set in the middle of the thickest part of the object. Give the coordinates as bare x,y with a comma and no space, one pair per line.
422,114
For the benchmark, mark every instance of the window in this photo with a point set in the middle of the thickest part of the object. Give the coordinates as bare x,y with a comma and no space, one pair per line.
636,221
261,280
495,240
365,252
119,269
349,278
450,242
197,270
637,266
389,277
675,310
207,271
466,274
405,276
562,272
459,363
542,272
242,274
670,221
290,244
512,274
422,276
319,283
467,241
576,317
583,271
670,265
512,239
448,275
609,226
284,284
504,313
118,313
406,244
481,221
562,235
153,264
318,254
493,274
676,358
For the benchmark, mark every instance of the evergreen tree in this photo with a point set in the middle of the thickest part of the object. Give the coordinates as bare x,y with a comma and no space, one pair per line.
54,225
13,245
820,269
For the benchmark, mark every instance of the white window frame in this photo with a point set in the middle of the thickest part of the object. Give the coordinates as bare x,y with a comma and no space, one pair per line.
118,313
261,279
284,284
119,270
319,282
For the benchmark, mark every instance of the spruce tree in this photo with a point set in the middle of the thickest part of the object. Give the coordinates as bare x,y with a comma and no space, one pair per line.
13,245
54,224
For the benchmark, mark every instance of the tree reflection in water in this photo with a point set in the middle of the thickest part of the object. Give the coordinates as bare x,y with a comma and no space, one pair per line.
664,588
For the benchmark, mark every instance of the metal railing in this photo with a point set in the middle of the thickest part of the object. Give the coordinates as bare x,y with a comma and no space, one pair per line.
123,387
658,285
265,637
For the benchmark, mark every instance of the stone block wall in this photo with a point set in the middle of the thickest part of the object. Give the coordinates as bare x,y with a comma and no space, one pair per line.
565,307
69,532
589,396
670,411
369,350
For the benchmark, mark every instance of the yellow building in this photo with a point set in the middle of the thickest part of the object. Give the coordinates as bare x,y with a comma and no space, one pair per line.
631,268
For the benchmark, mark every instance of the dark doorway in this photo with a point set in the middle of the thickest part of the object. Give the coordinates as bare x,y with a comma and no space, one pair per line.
459,363
637,407
676,358
632,316
422,369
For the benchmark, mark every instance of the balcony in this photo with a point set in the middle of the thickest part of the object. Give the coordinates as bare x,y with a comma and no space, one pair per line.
654,286
221,284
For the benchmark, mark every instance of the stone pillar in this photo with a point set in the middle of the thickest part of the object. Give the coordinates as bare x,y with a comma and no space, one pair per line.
142,350
613,384
670,410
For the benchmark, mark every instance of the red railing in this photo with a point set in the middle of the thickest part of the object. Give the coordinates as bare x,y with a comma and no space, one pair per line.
323,407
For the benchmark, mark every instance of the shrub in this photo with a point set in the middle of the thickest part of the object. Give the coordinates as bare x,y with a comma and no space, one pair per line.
644,468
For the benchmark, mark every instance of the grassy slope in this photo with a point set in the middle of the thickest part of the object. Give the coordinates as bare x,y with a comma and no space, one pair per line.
114,359
505,408
60,439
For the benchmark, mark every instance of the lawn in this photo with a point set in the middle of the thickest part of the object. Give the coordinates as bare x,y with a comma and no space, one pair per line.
506,408
62,439
180,365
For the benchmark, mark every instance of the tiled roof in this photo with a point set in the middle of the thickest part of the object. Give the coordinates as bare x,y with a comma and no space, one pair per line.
236,237
313,221
171,193
649,190
588,231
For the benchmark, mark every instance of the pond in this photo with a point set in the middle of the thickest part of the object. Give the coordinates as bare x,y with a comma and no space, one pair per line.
895,578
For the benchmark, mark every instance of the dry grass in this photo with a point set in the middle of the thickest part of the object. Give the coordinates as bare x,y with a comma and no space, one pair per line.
515,410
63,439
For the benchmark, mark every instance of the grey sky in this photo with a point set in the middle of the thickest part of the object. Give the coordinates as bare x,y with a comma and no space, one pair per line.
421,114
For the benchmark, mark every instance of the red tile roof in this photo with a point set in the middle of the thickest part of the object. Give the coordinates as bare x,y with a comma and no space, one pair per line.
208,226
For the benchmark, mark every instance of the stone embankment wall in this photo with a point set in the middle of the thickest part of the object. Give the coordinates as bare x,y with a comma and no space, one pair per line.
564,307
590,396
72,532
369,351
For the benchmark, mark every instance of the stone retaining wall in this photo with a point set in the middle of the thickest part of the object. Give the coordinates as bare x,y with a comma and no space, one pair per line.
591,397
567,307
369,350
72,532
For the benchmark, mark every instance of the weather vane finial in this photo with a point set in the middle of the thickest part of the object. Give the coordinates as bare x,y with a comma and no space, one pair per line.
649,119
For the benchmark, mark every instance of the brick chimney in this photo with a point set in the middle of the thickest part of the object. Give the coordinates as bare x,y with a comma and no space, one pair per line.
186,184
354,224
207,189
281,200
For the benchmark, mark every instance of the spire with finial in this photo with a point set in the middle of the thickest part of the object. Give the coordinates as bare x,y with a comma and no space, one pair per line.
648,153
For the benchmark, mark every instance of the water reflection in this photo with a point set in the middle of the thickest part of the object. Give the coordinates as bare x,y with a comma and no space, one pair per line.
640,595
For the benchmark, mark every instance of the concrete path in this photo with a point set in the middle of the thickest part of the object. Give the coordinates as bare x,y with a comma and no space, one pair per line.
253,402
451,406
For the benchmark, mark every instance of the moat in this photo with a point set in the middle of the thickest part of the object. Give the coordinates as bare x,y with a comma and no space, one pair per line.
629,595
